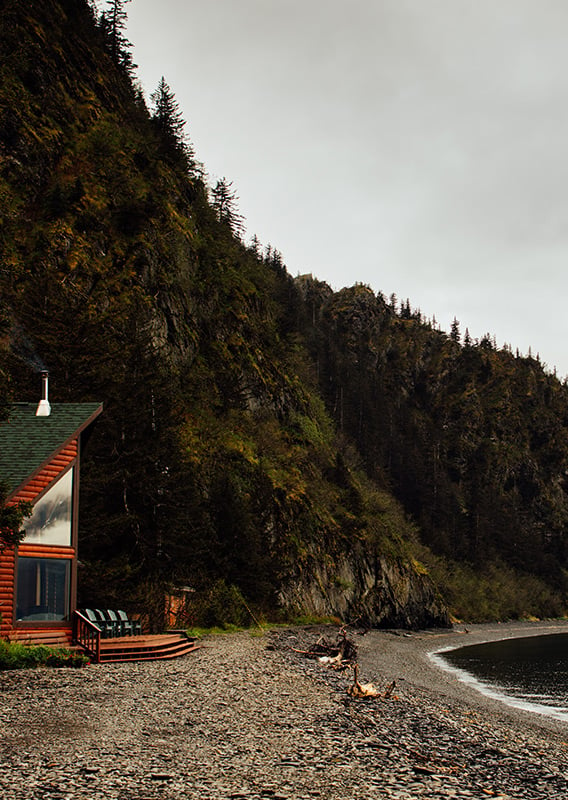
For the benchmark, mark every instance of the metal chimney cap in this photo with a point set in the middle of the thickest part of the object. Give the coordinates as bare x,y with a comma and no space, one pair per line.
44,409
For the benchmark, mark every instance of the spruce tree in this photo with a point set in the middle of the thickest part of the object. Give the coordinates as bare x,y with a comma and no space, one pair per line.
455,335
11,517
225,204
169,121
113,23
166,114
256,246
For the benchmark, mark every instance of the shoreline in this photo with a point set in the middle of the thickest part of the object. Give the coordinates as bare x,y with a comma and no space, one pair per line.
406,657
250,718
454,740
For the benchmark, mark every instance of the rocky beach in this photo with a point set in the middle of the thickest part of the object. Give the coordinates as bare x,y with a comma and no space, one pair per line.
249,716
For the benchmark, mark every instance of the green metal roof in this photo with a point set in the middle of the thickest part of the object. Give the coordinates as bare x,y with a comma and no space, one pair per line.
28,442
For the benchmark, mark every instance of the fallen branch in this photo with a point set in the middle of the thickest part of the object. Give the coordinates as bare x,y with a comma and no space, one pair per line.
339,654
361,689
369,689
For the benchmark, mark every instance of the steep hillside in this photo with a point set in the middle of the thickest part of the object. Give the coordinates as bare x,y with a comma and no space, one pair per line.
270,443
215,463
473,440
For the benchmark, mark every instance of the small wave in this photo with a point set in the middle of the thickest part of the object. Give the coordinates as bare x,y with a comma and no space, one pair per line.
502,694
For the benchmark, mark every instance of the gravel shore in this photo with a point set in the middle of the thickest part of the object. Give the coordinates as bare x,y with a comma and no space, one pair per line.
249,717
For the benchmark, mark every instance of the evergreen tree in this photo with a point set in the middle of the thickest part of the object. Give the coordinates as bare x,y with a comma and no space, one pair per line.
256,246
275,260
455,335
167,115
225,204
11,517
169,121
113,23
405,310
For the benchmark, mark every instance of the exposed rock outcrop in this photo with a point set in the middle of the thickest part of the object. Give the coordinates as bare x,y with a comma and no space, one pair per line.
372,591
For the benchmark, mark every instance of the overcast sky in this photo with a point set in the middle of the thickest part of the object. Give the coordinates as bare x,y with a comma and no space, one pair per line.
418,146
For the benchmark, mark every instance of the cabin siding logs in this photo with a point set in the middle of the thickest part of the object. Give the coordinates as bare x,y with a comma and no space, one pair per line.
31,492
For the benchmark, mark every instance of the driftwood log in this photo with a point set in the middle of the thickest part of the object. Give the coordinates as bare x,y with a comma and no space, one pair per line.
369,689
340,654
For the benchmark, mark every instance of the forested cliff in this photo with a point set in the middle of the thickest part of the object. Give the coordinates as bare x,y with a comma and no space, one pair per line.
270,443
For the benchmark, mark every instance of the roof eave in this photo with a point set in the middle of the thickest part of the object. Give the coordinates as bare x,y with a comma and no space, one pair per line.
75,435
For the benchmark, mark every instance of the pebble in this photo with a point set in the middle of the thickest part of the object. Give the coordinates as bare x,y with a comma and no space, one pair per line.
247,718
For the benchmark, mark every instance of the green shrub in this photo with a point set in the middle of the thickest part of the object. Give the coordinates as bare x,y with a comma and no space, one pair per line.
493,592
220,606
14,655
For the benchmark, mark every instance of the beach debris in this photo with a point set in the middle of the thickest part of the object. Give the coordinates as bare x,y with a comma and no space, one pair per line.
361,689
369,689
330,659
341,654
338,655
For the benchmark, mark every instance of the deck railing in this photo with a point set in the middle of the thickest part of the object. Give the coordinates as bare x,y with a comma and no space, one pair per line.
88,635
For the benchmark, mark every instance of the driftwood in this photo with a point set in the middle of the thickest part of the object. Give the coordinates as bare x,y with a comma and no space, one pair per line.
361,689
369,689
339,654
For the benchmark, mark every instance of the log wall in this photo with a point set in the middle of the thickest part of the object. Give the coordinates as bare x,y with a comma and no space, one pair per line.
31,493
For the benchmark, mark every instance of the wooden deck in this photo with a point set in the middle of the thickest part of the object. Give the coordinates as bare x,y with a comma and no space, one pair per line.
120,648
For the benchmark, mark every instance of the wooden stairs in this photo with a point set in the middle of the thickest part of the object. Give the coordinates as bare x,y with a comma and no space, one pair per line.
146,647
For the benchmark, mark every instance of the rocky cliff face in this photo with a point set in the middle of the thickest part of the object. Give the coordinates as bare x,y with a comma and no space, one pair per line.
371,591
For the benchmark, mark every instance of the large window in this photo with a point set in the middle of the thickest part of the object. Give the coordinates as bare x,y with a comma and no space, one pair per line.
50,522
43,589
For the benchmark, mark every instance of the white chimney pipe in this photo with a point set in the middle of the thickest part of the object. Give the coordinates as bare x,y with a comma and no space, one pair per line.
43,408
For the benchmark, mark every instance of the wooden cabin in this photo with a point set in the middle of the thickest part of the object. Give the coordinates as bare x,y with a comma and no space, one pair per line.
40,451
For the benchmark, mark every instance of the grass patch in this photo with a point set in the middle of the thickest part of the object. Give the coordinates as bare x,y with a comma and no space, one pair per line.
223,630
300,621
216,630
14,655
311,619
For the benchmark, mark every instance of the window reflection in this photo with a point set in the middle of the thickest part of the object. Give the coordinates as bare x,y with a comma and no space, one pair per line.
43,589
50,522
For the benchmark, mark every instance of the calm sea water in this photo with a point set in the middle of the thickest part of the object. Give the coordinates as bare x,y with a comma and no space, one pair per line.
529,673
